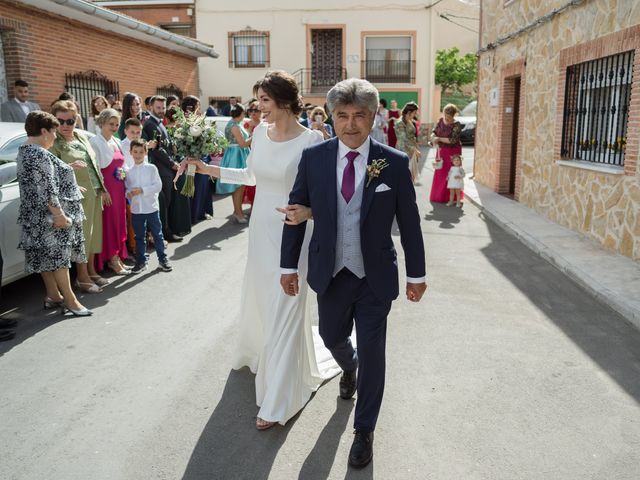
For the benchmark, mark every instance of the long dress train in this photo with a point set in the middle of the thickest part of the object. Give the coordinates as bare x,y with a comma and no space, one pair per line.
277,340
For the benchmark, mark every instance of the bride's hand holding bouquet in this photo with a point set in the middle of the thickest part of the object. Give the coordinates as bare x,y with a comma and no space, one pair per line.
194,138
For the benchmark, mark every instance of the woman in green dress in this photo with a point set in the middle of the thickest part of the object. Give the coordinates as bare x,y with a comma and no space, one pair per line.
74,149
407,137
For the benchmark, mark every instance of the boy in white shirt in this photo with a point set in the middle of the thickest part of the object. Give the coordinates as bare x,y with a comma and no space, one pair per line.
133,131
143,186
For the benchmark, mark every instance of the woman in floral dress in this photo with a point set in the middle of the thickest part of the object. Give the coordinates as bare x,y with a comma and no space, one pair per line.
50,214
446,135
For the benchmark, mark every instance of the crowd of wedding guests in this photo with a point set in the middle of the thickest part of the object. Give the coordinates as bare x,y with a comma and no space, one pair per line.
82,181
97,202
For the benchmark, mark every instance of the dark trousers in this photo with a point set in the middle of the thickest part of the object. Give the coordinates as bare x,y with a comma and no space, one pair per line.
165,202
140,222
350,299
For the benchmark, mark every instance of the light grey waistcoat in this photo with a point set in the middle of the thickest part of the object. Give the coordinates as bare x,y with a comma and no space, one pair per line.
348,248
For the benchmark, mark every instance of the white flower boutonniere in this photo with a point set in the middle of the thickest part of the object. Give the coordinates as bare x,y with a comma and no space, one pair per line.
374,169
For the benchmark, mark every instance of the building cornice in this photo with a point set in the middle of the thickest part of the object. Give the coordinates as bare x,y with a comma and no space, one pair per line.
110,20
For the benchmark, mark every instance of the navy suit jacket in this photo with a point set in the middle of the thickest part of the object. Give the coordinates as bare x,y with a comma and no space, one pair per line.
161,156
316,186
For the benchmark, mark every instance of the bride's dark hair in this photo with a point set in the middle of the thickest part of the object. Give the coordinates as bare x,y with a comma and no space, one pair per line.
283,89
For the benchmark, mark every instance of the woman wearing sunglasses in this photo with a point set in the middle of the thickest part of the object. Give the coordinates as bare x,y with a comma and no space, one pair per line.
74,149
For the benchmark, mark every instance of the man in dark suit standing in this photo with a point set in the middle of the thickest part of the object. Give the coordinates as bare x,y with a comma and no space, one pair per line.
17,108
355,187
161,156
226,111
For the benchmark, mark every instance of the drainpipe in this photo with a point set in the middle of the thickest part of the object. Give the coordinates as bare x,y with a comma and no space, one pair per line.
113,17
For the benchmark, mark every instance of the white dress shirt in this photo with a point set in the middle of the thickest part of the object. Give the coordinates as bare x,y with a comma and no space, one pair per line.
24,106
360,162
146,177
126,153
360,165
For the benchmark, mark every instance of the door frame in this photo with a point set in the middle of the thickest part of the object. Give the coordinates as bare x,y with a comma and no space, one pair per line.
510,136
325,26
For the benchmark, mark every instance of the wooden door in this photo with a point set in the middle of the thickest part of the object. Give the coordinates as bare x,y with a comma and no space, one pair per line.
326,57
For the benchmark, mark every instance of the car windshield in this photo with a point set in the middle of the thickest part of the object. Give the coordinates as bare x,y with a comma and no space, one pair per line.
9,151
469,110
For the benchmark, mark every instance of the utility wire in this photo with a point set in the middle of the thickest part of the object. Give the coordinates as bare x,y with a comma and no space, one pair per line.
445,17
535,24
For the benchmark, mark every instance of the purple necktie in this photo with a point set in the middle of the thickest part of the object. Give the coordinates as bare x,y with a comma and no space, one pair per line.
349,177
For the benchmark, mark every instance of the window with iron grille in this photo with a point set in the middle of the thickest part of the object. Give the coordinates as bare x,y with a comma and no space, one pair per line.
248,48
85,85
388,60
596,109
170,89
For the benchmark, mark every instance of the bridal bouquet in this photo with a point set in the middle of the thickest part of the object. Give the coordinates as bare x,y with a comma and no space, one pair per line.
193,138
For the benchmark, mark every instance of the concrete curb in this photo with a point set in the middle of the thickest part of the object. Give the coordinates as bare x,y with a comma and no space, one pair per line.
623,302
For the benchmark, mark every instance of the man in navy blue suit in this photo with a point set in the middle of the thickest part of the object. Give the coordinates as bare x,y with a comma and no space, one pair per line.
355,187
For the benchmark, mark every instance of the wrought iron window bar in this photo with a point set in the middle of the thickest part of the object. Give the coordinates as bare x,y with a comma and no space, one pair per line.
596,109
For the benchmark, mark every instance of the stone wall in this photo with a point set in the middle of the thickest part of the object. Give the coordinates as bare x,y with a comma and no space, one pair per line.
603,204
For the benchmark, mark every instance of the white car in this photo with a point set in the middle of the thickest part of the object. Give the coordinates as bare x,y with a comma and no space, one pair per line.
12,135
221,122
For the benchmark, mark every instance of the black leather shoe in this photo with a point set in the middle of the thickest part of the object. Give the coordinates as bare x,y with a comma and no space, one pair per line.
348,384
7,335
361,451
8,323
173,238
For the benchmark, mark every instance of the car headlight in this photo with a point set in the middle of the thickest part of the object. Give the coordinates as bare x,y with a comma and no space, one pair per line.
469,126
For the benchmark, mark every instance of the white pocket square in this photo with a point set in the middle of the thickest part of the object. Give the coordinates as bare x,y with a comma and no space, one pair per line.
382,188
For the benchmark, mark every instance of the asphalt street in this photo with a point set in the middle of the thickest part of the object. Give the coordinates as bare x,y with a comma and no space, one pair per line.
505,370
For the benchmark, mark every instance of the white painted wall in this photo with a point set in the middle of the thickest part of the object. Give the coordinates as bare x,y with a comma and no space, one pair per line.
287,21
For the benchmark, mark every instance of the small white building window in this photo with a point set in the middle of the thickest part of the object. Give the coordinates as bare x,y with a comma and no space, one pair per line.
248,48
388,59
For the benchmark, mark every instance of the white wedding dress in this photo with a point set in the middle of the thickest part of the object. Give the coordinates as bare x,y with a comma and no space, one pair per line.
277,339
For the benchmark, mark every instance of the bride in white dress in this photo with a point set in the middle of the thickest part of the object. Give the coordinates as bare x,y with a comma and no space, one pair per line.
276,336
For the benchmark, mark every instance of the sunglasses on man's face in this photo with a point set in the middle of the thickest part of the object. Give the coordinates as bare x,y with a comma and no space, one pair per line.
69,121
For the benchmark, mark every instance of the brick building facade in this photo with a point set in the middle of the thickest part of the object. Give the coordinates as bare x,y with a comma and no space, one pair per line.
42,45
559,113
175,16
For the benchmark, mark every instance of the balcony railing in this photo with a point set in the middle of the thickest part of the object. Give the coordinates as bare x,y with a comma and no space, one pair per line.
312,81
389,71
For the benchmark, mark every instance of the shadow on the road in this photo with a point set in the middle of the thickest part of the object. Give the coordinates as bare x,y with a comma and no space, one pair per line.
317,465
208,239
599,331
447,216
23,301
230,447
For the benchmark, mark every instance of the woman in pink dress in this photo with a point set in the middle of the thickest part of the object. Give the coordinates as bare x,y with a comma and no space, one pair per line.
446,136
114,213
393,114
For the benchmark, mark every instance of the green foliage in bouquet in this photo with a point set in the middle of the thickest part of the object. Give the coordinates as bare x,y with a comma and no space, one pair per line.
193,137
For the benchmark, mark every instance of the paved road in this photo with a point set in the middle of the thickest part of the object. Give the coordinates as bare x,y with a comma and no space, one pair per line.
506,370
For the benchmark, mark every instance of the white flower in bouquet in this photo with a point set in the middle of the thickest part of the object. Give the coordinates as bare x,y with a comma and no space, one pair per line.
193,138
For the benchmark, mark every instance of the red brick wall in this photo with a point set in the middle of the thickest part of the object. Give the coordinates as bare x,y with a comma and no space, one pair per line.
40,48
622,41
509,73
158,14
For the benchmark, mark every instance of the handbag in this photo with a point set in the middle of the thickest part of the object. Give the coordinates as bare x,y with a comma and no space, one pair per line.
437,163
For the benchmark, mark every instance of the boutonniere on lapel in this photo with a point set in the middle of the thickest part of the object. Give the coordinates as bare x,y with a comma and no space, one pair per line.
375,168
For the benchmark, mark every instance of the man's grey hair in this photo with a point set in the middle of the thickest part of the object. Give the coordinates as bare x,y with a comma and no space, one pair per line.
353,91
